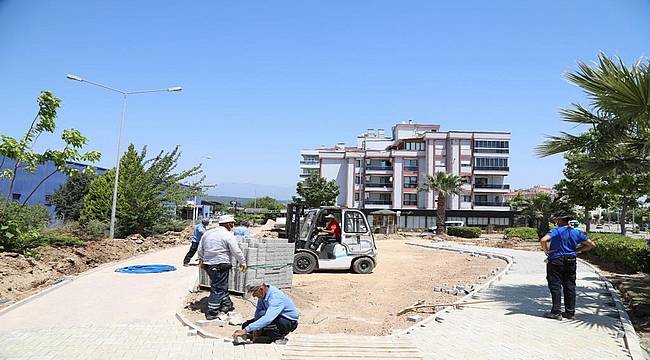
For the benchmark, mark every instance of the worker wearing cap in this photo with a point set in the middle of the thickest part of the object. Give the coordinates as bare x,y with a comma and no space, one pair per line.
216,249
561,245
332,232
275,315
197,234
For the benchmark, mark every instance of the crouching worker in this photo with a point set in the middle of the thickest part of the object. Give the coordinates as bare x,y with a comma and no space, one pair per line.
275,316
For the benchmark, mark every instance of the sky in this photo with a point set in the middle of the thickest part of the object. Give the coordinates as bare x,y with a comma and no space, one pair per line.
264,79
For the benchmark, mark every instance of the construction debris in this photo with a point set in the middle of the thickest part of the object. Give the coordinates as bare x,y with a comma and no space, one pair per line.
412,308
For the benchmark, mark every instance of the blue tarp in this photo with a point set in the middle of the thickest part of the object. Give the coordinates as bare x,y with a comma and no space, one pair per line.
145,269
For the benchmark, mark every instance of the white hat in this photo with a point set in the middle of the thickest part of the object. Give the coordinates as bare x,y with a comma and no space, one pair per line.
254,285
226,219
330,216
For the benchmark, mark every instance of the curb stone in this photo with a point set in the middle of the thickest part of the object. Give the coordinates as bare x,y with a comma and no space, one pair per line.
438,314
631,338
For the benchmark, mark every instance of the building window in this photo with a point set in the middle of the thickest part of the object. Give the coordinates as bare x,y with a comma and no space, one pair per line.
464,147
357,179
466,198
440,147
500,221
439,163
354,223
410,182
410,199
491,144
466,179
356,196
477,221
358,163
418,146
465,163
491,162
15,196
411,164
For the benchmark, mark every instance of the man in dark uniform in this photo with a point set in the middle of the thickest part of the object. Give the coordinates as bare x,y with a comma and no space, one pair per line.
561,245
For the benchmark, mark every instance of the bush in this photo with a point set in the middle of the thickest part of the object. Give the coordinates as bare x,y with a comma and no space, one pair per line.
464,231
167,225
56,238
522,233
95,229
621,252
20,225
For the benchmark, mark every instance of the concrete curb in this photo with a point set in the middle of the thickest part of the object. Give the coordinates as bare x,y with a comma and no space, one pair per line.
509,261
205,334
632,342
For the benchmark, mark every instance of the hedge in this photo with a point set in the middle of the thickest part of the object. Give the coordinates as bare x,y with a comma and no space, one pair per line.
523,233
464,231
621,252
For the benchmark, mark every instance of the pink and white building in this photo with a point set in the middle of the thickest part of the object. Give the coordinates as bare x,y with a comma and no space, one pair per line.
384,171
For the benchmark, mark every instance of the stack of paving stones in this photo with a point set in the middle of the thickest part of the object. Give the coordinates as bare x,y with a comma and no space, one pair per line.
269,260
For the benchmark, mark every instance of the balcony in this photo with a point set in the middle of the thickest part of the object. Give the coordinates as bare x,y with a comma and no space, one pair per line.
378,202
379,167
411,168
492,168
492,186
306,175
492,151
490,203
378,185
309,162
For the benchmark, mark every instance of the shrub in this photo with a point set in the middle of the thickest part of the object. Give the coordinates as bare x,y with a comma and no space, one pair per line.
19,226
56,238
165,226
95,229
621,252
522,233
464,231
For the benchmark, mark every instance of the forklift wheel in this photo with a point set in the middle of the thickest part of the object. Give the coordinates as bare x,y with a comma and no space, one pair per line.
363,265
303,263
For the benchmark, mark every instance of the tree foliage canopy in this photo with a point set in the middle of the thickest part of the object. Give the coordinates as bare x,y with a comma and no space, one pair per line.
69,198
444,184
145,189
318,191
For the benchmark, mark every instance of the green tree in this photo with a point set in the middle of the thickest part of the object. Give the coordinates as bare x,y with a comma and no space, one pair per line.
318,191
145,189
582,188
265,202
69,197
539,209
626,190
444,184
618,116
22,152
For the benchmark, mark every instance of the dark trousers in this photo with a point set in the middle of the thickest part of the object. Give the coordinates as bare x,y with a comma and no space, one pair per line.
561,275
276,330
219,299
193,248
322,239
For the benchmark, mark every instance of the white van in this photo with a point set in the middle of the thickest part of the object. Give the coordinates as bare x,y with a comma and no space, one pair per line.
448,224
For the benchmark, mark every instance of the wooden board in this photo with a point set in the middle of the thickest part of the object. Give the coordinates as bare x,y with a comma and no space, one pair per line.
316,347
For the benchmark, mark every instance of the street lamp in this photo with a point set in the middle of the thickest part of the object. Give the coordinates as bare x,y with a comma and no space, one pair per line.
125,94
195,211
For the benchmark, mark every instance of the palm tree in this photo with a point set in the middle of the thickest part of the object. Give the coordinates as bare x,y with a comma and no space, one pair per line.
618,116
444,184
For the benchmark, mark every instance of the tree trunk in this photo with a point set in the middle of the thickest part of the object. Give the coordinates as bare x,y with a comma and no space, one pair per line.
440,218
587,219
621,219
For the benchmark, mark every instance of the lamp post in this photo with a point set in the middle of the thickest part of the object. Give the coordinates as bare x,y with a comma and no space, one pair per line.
195,211
125,95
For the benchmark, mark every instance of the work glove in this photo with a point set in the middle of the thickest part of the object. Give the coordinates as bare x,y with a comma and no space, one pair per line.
243,267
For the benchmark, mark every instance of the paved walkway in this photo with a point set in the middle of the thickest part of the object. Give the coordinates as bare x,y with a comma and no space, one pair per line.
118,316
512,326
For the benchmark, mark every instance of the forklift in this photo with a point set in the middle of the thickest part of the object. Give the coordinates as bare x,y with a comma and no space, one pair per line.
356,251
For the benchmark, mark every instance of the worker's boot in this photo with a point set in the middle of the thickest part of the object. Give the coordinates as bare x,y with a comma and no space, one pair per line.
210,316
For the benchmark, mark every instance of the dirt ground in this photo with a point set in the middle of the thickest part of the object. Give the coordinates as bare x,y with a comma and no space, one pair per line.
342,302
22,276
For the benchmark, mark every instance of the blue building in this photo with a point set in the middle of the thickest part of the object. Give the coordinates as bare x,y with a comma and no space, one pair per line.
26,182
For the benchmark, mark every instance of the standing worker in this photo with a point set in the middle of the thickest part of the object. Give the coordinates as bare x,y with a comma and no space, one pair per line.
565,243
199,230
216,249
275,315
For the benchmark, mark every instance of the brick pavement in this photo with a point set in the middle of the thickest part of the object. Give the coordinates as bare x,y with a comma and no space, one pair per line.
509,328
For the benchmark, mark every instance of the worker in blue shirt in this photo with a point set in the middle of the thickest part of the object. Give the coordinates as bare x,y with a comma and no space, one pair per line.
561,245
275,315
199,230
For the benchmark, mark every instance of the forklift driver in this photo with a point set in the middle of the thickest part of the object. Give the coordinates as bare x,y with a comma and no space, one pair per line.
331,233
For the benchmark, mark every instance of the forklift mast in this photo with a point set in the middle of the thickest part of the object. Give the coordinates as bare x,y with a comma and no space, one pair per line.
295,213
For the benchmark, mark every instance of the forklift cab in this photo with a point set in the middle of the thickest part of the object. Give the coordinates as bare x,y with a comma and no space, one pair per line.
356,251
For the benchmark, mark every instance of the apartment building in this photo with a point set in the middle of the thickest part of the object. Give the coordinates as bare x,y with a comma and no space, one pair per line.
385,171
